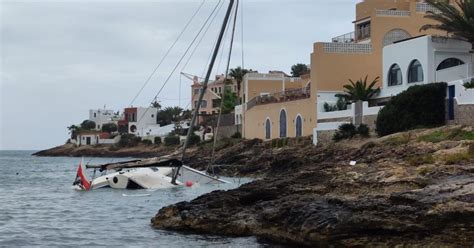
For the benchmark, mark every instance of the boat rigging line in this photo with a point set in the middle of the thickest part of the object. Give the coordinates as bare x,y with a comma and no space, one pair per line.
204,87
216,131
167,52
180,60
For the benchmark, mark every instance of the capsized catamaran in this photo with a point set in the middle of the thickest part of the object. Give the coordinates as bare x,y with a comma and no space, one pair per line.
157,173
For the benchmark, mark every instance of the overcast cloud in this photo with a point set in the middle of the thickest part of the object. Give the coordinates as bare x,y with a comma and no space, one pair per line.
61,58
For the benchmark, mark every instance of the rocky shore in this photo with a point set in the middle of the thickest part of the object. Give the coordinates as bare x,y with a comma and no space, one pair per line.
139,151
413,189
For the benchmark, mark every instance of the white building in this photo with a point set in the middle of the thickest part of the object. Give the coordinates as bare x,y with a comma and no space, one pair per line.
420,60
103,116
141,120
423,60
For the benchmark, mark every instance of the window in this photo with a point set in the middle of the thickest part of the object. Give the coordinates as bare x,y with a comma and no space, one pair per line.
268,129
204,104
299,126
282,123
95,115
415,72
394,36
448,63
395,75
216,103
196,91
363,31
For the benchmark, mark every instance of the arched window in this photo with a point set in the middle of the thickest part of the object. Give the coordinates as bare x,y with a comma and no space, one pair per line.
451,62
268,129
415,72
395,75
395,35
299,126
282,123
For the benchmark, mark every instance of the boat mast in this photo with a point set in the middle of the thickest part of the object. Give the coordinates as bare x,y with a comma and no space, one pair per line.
204,86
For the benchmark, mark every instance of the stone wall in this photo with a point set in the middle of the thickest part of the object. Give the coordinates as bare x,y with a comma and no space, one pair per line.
370,121
463,114
325,137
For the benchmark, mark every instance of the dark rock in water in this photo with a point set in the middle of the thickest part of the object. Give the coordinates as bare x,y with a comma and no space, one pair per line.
311,196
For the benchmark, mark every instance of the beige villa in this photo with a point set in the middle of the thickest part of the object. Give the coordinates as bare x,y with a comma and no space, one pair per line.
211,102
276,105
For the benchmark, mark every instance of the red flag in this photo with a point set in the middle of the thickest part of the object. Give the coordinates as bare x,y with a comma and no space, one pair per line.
84,183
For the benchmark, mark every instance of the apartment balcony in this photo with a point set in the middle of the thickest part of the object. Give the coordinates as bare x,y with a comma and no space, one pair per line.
347,48
345,38
279,97
460,72
426,7
389,12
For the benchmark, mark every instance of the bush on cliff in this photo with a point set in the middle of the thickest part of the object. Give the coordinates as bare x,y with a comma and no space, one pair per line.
88,125
109,127
194,139
171,140
157,141
418,106
129,140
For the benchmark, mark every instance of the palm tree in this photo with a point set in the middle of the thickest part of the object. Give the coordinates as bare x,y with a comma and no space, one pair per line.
359,91
238,74
456,19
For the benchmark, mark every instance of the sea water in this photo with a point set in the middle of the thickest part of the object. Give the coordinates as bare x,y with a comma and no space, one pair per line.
38,207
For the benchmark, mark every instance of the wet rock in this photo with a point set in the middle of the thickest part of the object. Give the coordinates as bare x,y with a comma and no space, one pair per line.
311,196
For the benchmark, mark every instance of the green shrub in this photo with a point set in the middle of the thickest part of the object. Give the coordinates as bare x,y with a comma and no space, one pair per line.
456,134
236,135
363,130
469,85
345,131
418,106
274,143
147,142
109,127
88,125
171,140
129,140
157,140
457,158
194,139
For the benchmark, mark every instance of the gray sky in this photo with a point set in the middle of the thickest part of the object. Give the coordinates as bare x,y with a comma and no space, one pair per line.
61,58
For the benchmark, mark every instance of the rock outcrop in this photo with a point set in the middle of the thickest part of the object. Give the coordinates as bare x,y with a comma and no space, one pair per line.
402,192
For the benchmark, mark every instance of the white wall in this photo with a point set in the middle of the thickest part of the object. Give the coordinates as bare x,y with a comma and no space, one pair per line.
103,116
146,119
430,52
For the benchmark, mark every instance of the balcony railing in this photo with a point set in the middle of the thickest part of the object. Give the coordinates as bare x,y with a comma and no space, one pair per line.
345,38
460,72
425,7
350,48
284,96
389,12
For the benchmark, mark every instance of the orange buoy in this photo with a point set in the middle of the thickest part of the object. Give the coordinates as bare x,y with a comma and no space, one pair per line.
189,184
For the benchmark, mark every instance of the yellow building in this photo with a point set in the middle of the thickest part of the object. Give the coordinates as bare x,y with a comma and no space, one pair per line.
351,56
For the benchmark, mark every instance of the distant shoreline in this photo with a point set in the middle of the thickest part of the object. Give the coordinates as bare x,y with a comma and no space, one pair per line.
71,150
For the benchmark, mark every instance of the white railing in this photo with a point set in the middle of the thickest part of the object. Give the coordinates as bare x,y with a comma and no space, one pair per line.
347,48
392,12
349,113
425,7
265,76
459,72
345,38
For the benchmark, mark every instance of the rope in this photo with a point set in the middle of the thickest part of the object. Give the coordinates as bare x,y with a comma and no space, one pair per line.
167,53
180,60
210,166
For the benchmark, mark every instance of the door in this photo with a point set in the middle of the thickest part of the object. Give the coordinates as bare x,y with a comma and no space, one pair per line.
451,94
88,140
